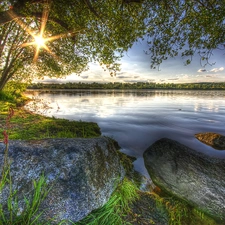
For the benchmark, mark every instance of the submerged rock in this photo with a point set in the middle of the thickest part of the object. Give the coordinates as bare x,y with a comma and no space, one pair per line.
188,174
83,174
214,140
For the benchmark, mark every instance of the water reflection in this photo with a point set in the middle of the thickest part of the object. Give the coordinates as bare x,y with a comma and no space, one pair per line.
136,119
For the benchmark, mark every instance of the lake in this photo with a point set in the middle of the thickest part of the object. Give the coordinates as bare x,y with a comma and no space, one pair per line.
137,118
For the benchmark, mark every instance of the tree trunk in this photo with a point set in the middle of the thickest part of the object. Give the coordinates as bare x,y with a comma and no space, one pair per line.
6,75
2,83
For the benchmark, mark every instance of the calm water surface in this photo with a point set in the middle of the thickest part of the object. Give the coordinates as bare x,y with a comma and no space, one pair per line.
137,118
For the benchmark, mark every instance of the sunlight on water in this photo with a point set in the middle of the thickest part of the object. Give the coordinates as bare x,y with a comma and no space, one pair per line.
137,118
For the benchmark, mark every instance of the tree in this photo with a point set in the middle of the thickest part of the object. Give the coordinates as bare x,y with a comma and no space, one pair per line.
78,33
185,28
171,25
102,30
10,55
16,61
22,8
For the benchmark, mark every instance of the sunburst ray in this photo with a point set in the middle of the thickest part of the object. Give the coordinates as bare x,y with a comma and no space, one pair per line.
39,40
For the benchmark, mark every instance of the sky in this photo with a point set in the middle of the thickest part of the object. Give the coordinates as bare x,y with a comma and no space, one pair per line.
135,67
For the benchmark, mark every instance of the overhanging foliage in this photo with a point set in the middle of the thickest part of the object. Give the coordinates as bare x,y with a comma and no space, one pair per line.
100,31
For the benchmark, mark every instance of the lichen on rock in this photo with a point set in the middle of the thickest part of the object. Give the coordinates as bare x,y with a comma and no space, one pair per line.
214,140
83,174
189,175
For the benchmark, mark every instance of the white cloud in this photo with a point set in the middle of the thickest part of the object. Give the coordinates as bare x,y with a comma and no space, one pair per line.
185,76
215,70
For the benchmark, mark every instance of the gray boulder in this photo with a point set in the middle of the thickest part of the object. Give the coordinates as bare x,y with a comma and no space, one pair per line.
188,174
83,174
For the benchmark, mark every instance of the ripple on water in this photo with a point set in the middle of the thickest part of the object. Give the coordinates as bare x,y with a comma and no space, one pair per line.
136,119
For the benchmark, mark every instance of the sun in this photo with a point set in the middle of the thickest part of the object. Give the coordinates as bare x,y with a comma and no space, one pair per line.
39,41
38,37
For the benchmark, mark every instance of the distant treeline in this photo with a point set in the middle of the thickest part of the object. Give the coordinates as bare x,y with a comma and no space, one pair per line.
138,85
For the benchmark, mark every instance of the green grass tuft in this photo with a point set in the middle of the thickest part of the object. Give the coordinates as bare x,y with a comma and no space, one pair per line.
5,96
181,213
116,208
12,214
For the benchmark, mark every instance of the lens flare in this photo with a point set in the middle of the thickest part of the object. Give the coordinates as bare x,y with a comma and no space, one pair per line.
38,37
40,41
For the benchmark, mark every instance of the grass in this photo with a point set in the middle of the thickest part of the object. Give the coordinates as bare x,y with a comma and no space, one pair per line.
179,212
12,98
113,212
12,214
26,125
6,96
119,211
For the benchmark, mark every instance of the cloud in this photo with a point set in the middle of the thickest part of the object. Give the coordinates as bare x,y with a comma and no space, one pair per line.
84,76
123,76
185,76
202,70
215,70
49,80
135,81
120,73
173,78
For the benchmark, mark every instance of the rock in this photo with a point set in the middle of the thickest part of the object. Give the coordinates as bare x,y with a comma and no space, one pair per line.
189,175
214,140
83,172
146,211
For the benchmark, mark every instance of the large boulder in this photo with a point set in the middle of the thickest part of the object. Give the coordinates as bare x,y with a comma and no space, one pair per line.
83,174
214,140
188,174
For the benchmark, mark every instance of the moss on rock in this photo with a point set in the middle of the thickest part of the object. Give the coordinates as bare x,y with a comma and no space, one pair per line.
214,140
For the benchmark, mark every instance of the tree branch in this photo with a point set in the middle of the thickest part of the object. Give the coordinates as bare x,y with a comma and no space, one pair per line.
132,1
5,17
88,3
9,15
